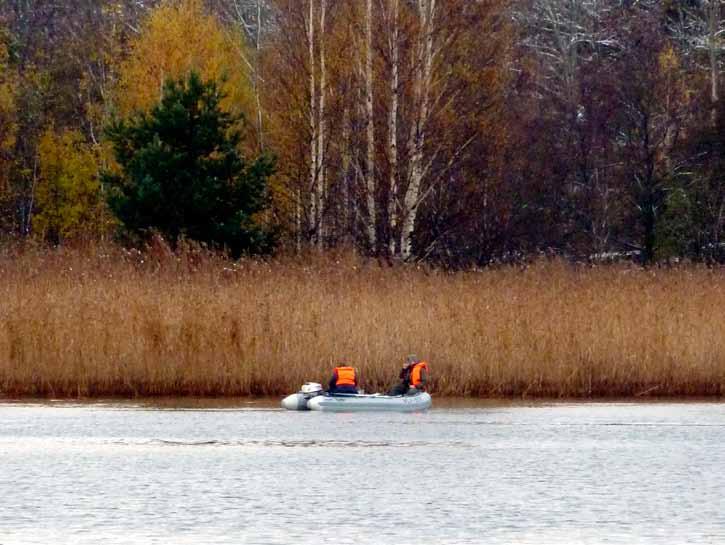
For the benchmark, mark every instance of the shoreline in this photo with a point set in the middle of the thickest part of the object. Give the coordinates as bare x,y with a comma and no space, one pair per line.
272,402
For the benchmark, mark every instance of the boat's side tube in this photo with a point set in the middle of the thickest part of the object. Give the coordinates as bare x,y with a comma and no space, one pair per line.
295,402
352,403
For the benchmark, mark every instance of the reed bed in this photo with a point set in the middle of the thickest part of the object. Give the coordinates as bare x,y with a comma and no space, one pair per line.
108,322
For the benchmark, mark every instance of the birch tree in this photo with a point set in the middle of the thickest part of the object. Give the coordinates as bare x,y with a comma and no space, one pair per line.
370,185
321,164
424,56
317,19
250,17
314,208
393,23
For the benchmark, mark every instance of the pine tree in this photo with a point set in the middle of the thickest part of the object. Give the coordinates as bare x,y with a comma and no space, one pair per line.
182,173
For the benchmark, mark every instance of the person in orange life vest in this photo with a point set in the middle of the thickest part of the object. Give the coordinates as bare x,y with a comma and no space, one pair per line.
343,381
413,377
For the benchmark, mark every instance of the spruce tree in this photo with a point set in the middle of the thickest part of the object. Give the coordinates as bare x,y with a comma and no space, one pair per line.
182,174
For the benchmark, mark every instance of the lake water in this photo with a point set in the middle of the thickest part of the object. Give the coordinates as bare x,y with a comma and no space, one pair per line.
252,474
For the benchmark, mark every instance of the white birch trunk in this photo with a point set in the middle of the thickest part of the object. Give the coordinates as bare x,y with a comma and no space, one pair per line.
416,141
393,203
713,31
313,214
346,161
257,75
254,33
321,128
298,220
370,126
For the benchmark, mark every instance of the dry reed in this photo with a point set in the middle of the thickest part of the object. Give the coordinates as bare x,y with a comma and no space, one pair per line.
117,323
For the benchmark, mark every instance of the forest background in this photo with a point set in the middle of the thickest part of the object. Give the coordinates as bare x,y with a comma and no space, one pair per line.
440,135
453,131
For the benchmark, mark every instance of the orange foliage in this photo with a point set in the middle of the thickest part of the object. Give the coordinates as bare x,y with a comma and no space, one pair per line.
179,37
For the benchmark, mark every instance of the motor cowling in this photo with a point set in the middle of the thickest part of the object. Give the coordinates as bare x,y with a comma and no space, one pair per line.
311,389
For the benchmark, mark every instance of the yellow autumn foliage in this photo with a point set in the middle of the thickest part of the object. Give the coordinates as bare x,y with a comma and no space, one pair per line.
68,196
673,87
669,61
179,37
8,126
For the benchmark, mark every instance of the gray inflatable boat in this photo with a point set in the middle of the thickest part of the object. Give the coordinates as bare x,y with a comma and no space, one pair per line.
311,397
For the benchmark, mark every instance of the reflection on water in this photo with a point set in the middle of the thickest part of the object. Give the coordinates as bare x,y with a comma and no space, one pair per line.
245,472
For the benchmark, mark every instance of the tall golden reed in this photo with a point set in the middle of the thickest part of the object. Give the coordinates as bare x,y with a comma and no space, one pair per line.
109,322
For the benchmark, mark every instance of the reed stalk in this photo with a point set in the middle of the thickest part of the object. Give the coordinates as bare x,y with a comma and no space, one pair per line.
109,322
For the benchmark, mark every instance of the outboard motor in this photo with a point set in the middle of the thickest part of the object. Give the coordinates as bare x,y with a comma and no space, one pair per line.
311,389
298,401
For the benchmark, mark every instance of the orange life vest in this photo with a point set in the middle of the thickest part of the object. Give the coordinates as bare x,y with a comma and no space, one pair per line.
415,373
345,376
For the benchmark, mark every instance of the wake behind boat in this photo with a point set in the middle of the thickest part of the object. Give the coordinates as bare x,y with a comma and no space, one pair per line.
312,397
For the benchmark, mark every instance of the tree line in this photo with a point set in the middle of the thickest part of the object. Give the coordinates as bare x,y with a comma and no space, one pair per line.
456,131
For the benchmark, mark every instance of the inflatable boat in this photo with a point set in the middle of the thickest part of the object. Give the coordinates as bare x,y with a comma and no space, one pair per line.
312,397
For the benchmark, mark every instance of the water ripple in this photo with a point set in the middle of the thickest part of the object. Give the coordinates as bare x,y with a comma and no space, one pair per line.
305,443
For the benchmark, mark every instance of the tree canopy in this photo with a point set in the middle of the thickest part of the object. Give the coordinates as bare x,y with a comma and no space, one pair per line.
175,39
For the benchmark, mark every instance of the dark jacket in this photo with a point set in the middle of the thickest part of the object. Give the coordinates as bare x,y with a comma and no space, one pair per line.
406,372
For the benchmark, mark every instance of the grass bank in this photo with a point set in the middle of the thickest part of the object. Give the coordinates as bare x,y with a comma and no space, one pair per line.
110,322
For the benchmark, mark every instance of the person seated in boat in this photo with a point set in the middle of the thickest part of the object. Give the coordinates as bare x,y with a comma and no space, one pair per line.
413,377
343,381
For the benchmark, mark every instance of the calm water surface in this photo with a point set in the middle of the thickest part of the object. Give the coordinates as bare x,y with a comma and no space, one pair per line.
564,473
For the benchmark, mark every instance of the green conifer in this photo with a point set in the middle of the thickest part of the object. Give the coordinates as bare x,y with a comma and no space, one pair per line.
182,173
